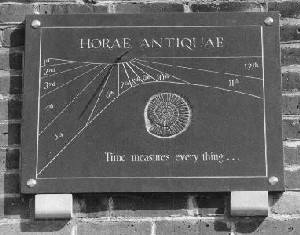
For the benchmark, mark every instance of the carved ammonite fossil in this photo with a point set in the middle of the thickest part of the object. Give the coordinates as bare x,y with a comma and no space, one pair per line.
167,115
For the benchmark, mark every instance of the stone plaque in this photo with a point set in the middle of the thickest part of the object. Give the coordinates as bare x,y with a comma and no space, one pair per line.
152,103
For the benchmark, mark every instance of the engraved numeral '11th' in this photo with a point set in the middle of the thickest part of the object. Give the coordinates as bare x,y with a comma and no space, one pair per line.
233,82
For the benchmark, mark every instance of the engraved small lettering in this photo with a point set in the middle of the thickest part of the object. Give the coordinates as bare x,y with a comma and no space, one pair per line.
58,136
251,65
213,157
109,94
233,82
206,157
49,71
49,107
47,85
112,157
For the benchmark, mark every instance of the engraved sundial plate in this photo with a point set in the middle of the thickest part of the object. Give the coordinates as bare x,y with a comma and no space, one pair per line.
143,103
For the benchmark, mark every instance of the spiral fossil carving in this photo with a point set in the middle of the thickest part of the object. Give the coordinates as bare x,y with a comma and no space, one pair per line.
167,115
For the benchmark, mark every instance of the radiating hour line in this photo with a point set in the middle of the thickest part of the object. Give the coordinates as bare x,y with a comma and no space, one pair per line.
255,96
57,64
243,93
82,129
237,75
142,70
118,79
74,79
132,69
85,62
57,59
91,119
214,87
102,110
127,75
65,71
223,89
134,79
141,60
204,70
209,86
73,138
157,63
150,67
163,73
50,123
48,61
201,85
179,66
98,98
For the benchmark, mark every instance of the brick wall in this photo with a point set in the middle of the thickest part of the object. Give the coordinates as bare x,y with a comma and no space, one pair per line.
177,213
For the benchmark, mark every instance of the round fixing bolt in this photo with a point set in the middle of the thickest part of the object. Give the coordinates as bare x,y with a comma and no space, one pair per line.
31,183
35,24
273,180
269,21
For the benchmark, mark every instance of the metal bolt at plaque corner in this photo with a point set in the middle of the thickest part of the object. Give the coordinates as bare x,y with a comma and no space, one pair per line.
269,21
273,180
31,183
35,24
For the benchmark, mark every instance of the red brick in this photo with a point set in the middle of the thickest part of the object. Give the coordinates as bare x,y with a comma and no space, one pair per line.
100,9
108,228
10,82
267,226
71,9
290,104
148,8
290,54
10,109
292,178
289,30
9,183
11,59
60,227
291,77
34,227
229,7
17,12
14,207
10,134
90,205
53,1
15,1
9,159
211,204
285,203
287,9
193,227
291,155
13,36
291,129
14,12
149,205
